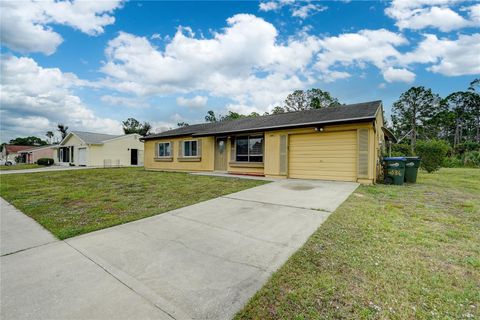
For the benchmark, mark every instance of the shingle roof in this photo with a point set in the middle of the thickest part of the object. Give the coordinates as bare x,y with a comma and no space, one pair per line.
94,138
343,113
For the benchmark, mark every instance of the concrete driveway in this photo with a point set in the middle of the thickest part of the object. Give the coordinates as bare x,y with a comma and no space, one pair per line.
201,262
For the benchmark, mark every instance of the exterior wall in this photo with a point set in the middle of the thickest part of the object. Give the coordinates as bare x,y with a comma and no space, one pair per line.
204,163
34,155
115,152
271,153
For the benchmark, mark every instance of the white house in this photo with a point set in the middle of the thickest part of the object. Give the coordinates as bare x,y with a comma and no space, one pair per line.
97,149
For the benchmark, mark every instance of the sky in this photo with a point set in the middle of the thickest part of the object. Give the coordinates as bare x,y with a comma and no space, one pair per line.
92,64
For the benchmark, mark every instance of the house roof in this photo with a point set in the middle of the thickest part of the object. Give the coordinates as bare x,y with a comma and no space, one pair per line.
94,138
345,113
13,148
30,149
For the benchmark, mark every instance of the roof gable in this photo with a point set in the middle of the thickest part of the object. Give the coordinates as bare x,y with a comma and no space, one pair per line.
89,137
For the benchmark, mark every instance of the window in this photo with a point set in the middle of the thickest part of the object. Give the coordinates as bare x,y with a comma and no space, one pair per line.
164,149
190,148
249,149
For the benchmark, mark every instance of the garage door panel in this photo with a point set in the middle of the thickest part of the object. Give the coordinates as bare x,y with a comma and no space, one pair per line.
330,156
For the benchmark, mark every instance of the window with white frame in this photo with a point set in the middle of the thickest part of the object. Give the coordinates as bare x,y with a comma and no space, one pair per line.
164,149
249,149
190,148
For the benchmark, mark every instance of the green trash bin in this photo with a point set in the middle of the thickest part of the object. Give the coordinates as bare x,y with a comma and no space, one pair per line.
394,170
411,169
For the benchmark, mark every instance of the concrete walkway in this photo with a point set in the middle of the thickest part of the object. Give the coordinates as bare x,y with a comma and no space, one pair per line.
199,262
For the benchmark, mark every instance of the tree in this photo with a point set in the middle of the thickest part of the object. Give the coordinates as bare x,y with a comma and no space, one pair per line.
182,124
321,99
475,107
211,117
49,136
310,99
278,110
296,101
62,129
132,125
414,109
462,105
28,141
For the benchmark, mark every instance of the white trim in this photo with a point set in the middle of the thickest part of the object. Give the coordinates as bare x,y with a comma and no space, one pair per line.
183,148
158,150
68,136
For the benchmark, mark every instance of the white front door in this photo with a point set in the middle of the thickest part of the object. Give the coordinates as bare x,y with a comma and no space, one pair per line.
82,156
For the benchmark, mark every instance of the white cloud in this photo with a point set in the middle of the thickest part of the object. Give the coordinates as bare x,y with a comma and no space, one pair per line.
299,9
305,11
26,25
196,102
440,14
124,101
447,57
377,47
34,99
398,75
226,65
269,6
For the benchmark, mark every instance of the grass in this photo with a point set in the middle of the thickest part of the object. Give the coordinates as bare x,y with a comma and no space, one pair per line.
21,167
389,252
69,203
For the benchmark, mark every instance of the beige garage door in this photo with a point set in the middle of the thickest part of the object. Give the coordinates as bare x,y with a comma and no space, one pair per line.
328,156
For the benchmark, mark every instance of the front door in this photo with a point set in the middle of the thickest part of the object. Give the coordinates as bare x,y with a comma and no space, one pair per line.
134,157
221,154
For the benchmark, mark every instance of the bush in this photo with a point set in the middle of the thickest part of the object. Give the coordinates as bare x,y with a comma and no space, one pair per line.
472,159
432,154
452,162
401,149
467,146
45,161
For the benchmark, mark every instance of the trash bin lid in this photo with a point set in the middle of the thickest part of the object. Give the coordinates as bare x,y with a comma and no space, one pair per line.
395,159
412,158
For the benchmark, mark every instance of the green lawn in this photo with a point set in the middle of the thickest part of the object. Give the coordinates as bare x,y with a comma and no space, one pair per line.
389,252
69,203
21,167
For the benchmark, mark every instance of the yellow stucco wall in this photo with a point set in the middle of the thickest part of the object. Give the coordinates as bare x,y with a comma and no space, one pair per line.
204,163
271,164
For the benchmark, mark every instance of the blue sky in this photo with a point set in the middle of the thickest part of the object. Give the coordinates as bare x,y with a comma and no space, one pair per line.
91,64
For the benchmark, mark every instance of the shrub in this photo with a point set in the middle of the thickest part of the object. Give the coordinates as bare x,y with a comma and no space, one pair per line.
45,161
467,146
472,159
432,154
452,162
401,149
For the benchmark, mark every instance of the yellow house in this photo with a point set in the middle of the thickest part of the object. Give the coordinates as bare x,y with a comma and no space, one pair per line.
339,143
81,148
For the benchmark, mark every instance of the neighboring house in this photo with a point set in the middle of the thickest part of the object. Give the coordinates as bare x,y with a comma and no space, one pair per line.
11,151
96,149
32,154
338,143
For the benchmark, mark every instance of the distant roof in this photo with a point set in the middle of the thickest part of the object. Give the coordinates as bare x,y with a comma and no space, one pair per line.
94,138
37,147
343,113
13,148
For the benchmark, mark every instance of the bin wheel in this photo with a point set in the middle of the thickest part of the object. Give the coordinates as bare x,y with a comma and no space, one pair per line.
388,180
